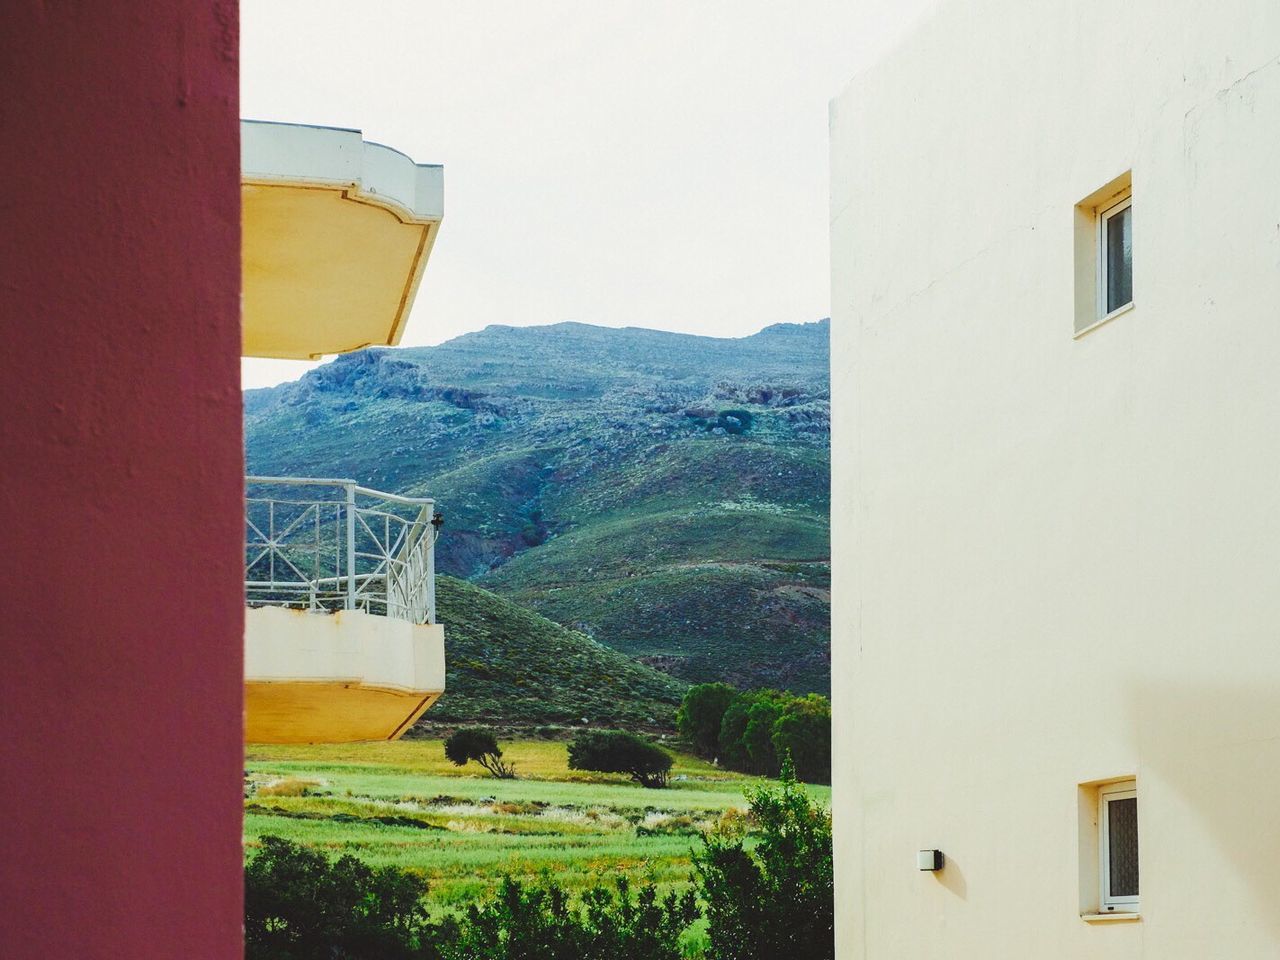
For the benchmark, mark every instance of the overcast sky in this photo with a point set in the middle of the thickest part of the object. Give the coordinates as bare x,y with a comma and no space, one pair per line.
658,164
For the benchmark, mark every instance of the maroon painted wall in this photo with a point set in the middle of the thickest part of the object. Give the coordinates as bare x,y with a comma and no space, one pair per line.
120,480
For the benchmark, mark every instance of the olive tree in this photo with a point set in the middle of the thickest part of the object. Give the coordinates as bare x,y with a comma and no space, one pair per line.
473,743
615,751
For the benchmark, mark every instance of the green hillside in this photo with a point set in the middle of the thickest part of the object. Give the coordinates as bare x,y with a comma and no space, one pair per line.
508,666
665,494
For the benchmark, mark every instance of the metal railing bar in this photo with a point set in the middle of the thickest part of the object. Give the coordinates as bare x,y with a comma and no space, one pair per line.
302,577
279,538
394,497
254,526
271,532
256,560
382,568
300,481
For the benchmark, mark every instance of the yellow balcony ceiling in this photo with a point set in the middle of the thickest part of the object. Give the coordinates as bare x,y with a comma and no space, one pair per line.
336,234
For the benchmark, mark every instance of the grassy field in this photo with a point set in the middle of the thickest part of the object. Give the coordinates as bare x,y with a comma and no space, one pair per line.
403,804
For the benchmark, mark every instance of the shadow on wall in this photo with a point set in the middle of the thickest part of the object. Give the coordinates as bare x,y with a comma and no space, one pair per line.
951,877
1218,749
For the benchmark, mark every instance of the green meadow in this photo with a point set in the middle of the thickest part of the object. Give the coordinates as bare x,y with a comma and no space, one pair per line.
403,804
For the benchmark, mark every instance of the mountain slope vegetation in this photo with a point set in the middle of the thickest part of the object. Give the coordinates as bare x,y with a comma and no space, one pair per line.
664,494
508,666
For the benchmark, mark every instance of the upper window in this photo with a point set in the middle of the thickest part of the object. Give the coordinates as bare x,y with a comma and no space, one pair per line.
1115,257
1103,259
1118,846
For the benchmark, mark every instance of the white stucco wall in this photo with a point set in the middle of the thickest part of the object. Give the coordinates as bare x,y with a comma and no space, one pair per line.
1057,559
296,646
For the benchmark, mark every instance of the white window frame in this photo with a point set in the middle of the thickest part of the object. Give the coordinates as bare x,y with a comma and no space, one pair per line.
1124,790
1105,214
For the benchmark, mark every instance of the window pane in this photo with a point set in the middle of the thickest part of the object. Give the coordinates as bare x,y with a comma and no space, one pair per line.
1119,259
1122,836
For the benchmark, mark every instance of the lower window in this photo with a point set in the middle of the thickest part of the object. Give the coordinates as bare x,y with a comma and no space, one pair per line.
1118,847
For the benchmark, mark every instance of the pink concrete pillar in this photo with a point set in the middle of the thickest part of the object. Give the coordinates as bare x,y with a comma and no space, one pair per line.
120,481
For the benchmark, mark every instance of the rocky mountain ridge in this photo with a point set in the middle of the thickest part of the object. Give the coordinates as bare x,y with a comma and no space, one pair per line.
664,493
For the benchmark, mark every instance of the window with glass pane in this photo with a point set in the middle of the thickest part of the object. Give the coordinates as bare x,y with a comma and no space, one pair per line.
1123,855
1119,853
1117,257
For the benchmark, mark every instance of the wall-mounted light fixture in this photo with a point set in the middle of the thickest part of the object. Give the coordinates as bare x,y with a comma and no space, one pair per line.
929,859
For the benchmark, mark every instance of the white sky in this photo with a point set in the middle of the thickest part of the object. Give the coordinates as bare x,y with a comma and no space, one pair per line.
657,163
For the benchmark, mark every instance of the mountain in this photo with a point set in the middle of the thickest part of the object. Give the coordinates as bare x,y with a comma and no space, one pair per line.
665,494
510,666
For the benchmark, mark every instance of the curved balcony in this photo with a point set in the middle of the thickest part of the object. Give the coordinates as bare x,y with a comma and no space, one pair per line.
341,639
336,234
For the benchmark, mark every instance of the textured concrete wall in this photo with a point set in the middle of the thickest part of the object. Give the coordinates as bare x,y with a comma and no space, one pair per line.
1056,557
121,690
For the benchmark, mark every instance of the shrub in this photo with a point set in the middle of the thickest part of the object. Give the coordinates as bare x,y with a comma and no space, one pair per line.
287,787
700,715
299,905
803,732
473,743
776,901
615,751
733,822
539,923
735,421
681,825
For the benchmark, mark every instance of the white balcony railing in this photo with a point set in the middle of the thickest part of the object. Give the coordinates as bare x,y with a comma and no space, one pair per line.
324,545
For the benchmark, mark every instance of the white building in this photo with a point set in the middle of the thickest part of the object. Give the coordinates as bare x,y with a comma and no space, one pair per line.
1056,319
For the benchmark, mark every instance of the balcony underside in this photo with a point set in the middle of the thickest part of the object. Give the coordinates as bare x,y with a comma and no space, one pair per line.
336,234
333,712
337,677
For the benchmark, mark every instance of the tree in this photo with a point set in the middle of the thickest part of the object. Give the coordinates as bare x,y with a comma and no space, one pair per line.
700,715
746,732
776,901
733,751
473,743
803,732
615,751
758,735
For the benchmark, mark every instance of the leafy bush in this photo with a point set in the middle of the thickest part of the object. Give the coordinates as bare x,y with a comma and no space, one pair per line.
530,923
287,787
735,421
473,743
701,713
776,901
615,751
299,905
681,825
